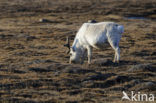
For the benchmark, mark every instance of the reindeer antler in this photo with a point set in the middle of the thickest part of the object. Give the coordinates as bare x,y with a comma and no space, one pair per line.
67,44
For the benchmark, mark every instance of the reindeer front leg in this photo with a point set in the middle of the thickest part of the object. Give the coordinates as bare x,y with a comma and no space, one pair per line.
89,50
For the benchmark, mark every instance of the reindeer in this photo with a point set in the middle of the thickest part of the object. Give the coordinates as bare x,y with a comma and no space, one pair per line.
95,35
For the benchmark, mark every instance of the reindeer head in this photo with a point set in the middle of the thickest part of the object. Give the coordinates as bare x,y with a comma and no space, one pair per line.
73,51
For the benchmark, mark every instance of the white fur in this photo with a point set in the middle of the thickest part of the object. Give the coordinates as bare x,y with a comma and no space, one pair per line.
94,35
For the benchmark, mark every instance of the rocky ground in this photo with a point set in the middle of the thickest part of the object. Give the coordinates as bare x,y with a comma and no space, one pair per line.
34,65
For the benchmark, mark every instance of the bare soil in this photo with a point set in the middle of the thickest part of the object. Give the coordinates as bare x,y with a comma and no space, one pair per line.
34,65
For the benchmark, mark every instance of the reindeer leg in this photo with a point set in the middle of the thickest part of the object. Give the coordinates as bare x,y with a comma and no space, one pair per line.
89,49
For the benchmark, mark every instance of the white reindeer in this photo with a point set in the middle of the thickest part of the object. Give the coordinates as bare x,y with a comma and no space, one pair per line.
95,35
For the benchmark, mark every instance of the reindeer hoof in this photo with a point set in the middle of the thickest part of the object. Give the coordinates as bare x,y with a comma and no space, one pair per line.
116,62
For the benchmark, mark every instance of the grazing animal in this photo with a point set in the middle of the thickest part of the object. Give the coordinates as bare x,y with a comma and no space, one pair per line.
95,35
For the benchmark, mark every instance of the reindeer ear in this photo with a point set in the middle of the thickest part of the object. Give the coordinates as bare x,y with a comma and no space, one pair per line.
73,49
